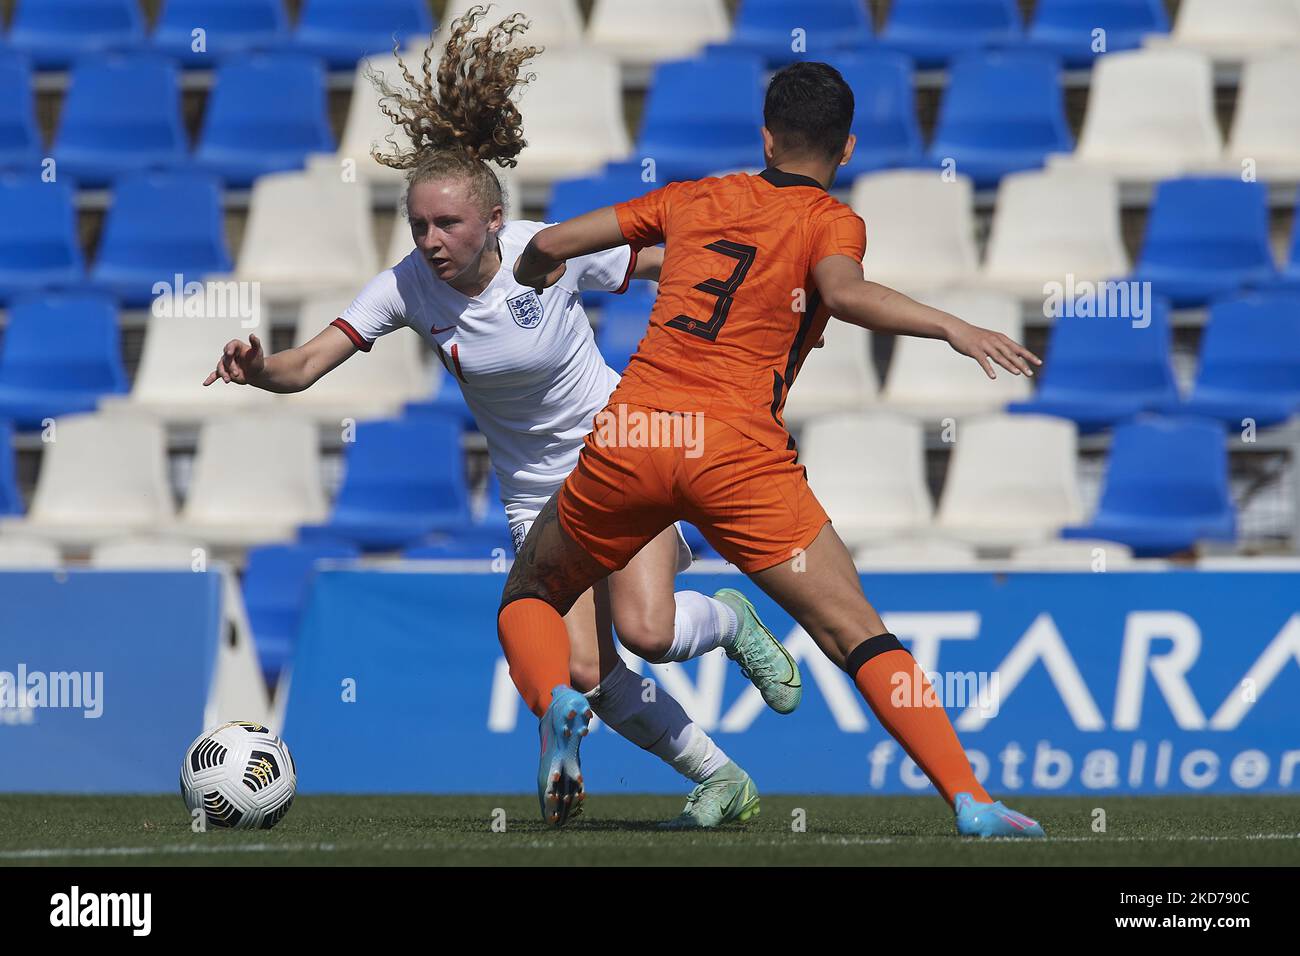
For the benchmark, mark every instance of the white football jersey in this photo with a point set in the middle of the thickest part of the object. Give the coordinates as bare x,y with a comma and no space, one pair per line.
527,365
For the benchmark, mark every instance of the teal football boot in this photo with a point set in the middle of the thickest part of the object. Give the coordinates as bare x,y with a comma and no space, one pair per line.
992,819
559,773
762,659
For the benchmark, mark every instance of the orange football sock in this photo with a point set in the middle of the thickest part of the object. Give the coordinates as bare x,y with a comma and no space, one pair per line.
537,648
898,691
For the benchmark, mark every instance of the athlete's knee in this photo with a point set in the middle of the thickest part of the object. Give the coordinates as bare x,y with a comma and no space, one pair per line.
645,631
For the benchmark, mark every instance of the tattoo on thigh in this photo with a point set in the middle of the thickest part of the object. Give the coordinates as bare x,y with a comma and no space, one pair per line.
549,565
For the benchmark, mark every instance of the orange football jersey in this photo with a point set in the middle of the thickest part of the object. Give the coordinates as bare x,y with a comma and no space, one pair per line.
737,311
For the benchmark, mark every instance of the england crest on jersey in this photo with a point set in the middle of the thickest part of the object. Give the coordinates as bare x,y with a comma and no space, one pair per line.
526,309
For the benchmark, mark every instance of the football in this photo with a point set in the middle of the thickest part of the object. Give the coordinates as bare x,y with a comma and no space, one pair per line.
240,775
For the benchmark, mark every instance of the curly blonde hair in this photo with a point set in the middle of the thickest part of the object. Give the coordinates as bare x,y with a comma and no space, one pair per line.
461,116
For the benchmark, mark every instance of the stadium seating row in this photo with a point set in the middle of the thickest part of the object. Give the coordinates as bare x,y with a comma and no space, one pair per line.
1012,481
61,355
1002,112
310,233
55,31
256,480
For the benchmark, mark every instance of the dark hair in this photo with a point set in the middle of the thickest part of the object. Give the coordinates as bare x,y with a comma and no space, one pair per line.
809,108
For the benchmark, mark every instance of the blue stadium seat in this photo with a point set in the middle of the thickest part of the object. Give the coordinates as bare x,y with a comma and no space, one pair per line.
230,27
344,31
265,114
615,183
276,582
1290,275
161,224
11,499
487,538
1065,27
622,326
1206,237
122,114
703,116
1003,112
20,138
1166,488
404,479
54,33
766,28
573,197
934,31
60,354
1100,371
884,114
493,515
448,400
38,236
1250,361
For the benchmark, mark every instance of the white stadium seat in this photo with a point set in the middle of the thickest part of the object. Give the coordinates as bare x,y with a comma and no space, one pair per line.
639,33
307,232
920,228
177,356
929,379
370,384
838,377
29,554
868,471
1234,31
263,468
143,551
1077,555
573,115
1150,115
1011,480
101,476
1266,126
1048,223
553,23
366,125
917,554
255,479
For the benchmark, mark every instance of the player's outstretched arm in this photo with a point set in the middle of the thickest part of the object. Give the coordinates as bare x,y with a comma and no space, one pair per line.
245,363
541,263
873,306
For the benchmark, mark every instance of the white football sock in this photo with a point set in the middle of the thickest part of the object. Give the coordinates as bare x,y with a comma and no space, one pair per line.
700,624
658,725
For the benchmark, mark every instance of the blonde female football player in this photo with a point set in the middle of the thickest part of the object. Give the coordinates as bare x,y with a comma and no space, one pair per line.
530,372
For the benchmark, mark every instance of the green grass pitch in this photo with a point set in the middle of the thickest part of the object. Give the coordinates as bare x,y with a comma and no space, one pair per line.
457,830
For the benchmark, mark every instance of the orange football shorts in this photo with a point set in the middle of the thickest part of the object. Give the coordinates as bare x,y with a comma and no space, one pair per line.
641,469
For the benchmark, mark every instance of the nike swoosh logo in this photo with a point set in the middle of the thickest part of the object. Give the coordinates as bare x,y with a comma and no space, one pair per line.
435,330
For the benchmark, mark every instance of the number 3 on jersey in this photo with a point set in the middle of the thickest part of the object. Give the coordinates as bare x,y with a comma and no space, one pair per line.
724,289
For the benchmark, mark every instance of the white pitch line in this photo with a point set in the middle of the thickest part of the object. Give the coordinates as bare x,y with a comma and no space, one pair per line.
559,843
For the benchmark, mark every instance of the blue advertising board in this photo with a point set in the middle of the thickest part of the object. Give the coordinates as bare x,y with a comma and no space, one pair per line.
1065,683
104,677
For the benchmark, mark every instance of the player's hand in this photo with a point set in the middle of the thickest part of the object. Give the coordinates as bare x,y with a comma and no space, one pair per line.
240,362
987,347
